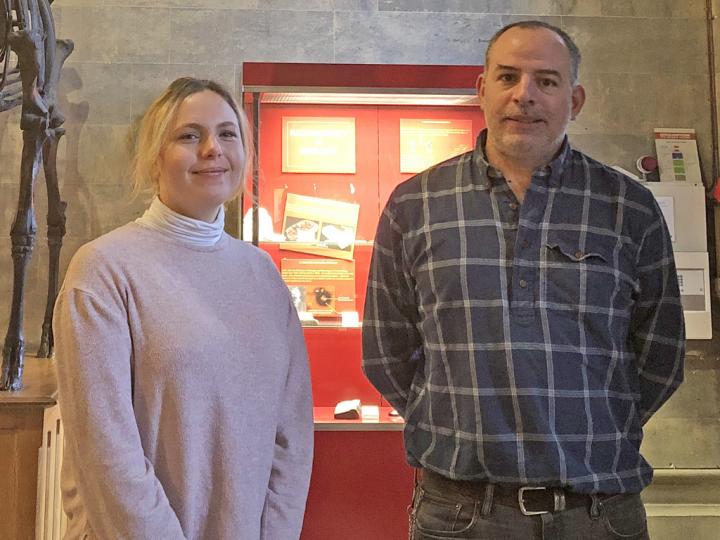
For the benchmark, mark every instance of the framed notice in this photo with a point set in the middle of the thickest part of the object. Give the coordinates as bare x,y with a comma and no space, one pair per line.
424,143
320,226
322,287
677,155
318,145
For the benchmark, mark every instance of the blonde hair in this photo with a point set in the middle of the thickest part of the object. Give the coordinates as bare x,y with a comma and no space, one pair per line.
155,125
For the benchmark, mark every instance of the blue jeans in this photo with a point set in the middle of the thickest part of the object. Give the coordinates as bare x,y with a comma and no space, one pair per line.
443,513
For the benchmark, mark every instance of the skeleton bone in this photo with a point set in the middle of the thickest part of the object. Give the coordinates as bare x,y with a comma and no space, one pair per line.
27,30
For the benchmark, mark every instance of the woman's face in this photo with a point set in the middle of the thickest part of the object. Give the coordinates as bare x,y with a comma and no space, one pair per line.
202,162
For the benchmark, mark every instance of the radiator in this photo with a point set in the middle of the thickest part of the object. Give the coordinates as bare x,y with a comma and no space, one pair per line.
50,520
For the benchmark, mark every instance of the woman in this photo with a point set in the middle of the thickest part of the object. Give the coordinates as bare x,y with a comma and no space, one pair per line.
183,377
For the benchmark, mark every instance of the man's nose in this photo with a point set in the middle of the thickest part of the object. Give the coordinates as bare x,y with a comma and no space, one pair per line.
524,91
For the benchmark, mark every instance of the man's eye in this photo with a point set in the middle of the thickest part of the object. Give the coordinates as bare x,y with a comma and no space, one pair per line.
506,77
548,83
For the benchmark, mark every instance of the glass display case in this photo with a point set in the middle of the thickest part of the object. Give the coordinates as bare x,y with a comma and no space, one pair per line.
333,141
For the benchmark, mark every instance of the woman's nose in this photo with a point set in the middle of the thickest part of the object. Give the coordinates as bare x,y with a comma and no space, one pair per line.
211,146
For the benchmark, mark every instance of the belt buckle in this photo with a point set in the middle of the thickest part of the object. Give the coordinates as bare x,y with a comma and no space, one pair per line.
521,501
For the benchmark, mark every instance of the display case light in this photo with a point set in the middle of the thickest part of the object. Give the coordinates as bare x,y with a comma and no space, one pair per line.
356,97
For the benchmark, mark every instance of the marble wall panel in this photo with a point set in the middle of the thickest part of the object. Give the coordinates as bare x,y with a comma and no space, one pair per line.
716,48
220,4
674,527
146,83
555,20
9,197
524,7
356,5
673,45
6,284
96,155
306,5
697,397
201,36
10,149
149,80
624,102
652,8
630,8
677,442
235,4
519,7
72,3
116,34
616,149
627,103
437,6
225,74
413,38
11,116
96,209
96,93
578,8
283,36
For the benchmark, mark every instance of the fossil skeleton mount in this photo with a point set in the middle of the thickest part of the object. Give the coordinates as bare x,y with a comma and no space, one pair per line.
30,62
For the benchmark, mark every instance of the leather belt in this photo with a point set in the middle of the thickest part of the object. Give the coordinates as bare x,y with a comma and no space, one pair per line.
530,500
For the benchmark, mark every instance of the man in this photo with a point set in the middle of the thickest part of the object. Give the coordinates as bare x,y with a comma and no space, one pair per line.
523,316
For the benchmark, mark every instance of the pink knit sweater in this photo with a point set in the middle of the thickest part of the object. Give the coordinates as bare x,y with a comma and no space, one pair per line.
184,390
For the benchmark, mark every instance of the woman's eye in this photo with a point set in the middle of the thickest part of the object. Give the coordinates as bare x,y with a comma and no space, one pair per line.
229,134
188,136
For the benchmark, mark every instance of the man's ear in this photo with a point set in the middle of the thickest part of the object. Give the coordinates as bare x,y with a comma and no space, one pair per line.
480,89
578,100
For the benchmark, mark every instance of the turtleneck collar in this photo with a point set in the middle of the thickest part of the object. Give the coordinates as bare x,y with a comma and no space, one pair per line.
192,231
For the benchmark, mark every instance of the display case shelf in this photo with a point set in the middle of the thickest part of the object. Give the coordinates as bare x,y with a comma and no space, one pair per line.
325,421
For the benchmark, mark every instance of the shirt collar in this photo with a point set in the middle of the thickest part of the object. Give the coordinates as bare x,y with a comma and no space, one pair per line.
191,231
552,171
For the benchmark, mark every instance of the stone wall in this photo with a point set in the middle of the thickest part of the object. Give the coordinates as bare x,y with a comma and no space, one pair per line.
645,65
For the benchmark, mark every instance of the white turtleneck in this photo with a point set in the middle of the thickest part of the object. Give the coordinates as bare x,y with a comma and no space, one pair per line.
193,231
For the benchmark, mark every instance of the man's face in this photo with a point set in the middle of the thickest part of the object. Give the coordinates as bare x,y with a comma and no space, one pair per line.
527,95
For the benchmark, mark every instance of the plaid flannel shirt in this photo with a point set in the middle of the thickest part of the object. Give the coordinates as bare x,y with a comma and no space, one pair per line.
525,343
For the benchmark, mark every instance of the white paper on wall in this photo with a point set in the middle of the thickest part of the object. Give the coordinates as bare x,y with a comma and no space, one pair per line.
677,155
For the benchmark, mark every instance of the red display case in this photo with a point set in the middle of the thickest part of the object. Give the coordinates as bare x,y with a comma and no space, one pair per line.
332,141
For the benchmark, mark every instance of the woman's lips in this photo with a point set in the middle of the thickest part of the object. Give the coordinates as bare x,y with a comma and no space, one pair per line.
211,170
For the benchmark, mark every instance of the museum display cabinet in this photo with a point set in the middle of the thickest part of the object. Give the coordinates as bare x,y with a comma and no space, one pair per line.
333,141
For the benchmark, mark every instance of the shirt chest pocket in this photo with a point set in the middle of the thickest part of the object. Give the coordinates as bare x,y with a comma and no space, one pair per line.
590,275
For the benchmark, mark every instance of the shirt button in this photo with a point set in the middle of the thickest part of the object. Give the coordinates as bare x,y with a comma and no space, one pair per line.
523,283
513,206
579,254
